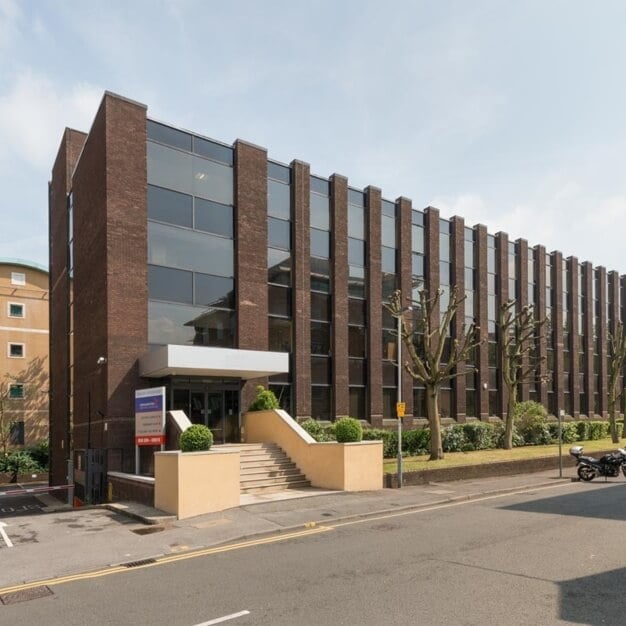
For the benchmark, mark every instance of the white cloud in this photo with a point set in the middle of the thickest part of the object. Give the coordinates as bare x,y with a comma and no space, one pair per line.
34,112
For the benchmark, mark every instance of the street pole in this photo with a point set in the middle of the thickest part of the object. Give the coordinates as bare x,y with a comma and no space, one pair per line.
399,399
561,412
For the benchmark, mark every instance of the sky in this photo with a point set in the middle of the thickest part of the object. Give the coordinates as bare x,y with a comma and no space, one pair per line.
509,114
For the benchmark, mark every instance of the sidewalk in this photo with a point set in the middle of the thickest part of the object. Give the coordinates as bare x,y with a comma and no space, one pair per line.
70,541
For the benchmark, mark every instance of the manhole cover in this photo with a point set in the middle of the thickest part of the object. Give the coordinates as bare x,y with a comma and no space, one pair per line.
148,530
26,594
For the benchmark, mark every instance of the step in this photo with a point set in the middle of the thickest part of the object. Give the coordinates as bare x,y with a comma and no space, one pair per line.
260,455
301,484
270,474
267,467
264,481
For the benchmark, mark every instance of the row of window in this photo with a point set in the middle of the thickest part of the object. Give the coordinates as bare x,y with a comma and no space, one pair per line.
16,309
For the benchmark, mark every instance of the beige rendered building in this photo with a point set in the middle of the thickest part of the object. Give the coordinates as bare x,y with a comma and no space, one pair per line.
24,348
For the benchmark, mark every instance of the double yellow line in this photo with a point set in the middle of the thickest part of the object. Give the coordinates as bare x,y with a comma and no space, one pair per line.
310,529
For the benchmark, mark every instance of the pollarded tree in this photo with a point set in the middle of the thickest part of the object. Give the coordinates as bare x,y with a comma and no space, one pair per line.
426,343
520,362
617,356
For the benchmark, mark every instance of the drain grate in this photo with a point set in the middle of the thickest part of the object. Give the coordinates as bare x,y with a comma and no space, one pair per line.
25,595
139,563
148,530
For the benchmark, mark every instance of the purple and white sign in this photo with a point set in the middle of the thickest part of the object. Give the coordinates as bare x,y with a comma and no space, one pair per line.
150,417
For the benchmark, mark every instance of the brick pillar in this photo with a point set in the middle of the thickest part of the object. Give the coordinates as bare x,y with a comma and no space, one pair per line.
110,277
587,285
603,338
502,297
574,343
60,426
482,315
404,208
301,380
521,260
251,255
339,272
557,324
457,245
374,307
540,312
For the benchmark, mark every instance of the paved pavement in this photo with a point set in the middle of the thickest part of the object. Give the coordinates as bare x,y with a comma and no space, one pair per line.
63,542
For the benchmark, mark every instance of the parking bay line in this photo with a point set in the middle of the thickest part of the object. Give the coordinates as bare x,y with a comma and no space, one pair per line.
225,618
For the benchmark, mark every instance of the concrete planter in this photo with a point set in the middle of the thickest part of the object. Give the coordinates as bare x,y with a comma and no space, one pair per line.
194,483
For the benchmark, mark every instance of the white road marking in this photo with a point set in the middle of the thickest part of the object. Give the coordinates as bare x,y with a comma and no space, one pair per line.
4,535
219,620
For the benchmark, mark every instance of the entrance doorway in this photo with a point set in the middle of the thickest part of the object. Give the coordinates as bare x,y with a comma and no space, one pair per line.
214,406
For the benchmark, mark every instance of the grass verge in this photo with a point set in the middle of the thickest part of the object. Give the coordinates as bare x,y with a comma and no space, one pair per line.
458,459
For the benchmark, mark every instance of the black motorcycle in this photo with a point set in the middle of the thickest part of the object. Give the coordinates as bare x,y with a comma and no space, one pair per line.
607,465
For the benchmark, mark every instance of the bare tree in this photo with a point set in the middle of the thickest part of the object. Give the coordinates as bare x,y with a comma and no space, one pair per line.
430,360
6,425
520,363
617,356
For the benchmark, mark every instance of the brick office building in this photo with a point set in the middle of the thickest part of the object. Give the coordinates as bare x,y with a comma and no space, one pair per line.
180,261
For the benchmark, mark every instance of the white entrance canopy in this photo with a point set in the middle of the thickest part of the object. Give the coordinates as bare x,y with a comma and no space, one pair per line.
174,360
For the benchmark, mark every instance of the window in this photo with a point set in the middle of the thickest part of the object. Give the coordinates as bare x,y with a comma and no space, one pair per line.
16,391
16,310
16,437
18,278
16,350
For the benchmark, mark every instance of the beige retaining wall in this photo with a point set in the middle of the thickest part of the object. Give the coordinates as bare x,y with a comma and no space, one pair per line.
332,465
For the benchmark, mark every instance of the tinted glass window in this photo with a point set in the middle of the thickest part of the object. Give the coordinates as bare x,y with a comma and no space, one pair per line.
187,249
279,334
279,267
320,211
320,307
320,185
356,341
320,243
320,370
418,265
279,233
357,402
356,252
320,275
390,284
357,371
213,217
215,291
417,243
170,206
417,218
168,135
356,281
444,247
389,208
185,325
165,283
356,197
279,301
279,172
320,338
356,221
390,374
356,312
279,199
320,402
213,150
389,231
388,260
213,181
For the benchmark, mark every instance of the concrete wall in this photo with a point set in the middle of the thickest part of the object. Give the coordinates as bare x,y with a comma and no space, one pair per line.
194,483
343,466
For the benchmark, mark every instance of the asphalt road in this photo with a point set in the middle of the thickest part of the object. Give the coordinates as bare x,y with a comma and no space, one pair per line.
13,506
551,556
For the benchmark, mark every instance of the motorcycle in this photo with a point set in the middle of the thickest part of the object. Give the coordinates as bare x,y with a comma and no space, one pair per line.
607,465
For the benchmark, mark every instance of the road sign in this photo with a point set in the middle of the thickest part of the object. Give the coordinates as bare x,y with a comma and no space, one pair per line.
400,408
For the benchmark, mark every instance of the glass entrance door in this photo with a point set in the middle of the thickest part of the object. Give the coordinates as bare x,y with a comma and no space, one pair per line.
217,408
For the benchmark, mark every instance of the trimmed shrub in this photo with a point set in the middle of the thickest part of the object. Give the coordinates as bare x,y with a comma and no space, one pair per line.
196,438
313,427
415,442
597,430
569,431
20,463
348,429
480,435
40,454
389,439
530,421
265,400
453,438
499,430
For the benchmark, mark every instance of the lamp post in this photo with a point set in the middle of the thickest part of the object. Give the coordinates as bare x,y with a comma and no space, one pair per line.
399,404
88,452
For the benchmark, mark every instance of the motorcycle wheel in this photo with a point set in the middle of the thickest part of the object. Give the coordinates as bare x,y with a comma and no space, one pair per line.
586,473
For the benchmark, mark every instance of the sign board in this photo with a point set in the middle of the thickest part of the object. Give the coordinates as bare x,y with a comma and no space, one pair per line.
400,408
150,417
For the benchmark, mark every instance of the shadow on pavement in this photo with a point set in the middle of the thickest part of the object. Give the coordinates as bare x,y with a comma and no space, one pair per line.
607,503
595,600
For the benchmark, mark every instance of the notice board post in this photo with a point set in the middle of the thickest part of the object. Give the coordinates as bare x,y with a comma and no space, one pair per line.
149,419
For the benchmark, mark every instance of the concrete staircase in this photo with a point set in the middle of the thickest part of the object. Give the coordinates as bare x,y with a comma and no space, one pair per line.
265,468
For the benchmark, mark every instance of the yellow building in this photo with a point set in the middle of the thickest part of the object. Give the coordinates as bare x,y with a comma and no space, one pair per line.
24,348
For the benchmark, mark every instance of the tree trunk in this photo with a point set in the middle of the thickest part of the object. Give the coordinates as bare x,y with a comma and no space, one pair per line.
612,420
508,424
432,406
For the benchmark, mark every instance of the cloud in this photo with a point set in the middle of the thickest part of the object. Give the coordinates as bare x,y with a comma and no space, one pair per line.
33,113
9,17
